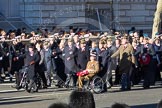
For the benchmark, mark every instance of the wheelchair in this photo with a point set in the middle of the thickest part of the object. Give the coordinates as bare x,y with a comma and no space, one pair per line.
96,84
25,82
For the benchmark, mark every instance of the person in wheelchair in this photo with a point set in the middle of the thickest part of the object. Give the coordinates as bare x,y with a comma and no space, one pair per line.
31,58
92,69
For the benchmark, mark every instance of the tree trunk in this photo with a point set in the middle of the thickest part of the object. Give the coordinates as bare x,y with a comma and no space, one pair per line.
157,19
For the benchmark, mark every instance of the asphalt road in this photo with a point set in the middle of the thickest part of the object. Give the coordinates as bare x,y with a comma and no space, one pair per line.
136,98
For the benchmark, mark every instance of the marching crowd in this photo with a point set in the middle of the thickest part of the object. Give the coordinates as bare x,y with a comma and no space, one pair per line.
73,54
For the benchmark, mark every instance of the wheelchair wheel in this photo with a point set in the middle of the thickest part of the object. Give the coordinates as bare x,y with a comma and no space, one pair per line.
97,84
32,87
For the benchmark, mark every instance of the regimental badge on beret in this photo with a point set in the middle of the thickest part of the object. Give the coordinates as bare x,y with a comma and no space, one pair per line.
109,39
125,37
46,43
102,41
82,41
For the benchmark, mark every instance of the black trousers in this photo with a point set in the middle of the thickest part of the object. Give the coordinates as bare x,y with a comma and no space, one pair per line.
68,79
39,71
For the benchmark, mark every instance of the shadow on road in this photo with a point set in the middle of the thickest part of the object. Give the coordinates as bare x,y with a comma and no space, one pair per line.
17,98
14,91
135,89
145,106
23,101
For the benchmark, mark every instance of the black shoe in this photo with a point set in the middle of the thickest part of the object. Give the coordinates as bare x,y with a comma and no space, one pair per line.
146,87
18,87
60,86
109,87
116,83
49,85
128,89
44,87
122,89
33,91
125,89
57,85
66,86
1,81
28,90
10,79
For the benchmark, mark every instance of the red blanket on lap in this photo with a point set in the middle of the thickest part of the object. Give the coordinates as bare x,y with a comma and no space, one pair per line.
82,73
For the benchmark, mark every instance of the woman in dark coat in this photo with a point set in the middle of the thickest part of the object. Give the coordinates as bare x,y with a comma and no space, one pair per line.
31,58
58,55
70,62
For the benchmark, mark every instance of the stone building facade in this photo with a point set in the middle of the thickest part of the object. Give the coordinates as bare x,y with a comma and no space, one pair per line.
93,14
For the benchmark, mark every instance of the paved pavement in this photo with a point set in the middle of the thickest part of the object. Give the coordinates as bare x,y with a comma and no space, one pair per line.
136,98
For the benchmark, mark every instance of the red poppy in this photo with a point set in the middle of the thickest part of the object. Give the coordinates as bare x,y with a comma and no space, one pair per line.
145,59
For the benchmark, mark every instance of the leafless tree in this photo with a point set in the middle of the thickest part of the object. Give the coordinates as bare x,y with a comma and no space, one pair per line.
157,19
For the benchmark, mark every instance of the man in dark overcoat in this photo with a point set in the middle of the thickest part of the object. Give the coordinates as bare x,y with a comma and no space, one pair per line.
111,49
31,58
83,55
47,60
70,62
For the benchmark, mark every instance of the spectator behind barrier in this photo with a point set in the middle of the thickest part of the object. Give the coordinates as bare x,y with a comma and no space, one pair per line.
119,105
159,104
81,99
59,105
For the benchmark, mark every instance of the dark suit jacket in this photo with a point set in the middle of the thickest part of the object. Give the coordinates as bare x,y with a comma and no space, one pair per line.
114,61
70,65
142,49
4,47
103,58
28,60
83,58
47,59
